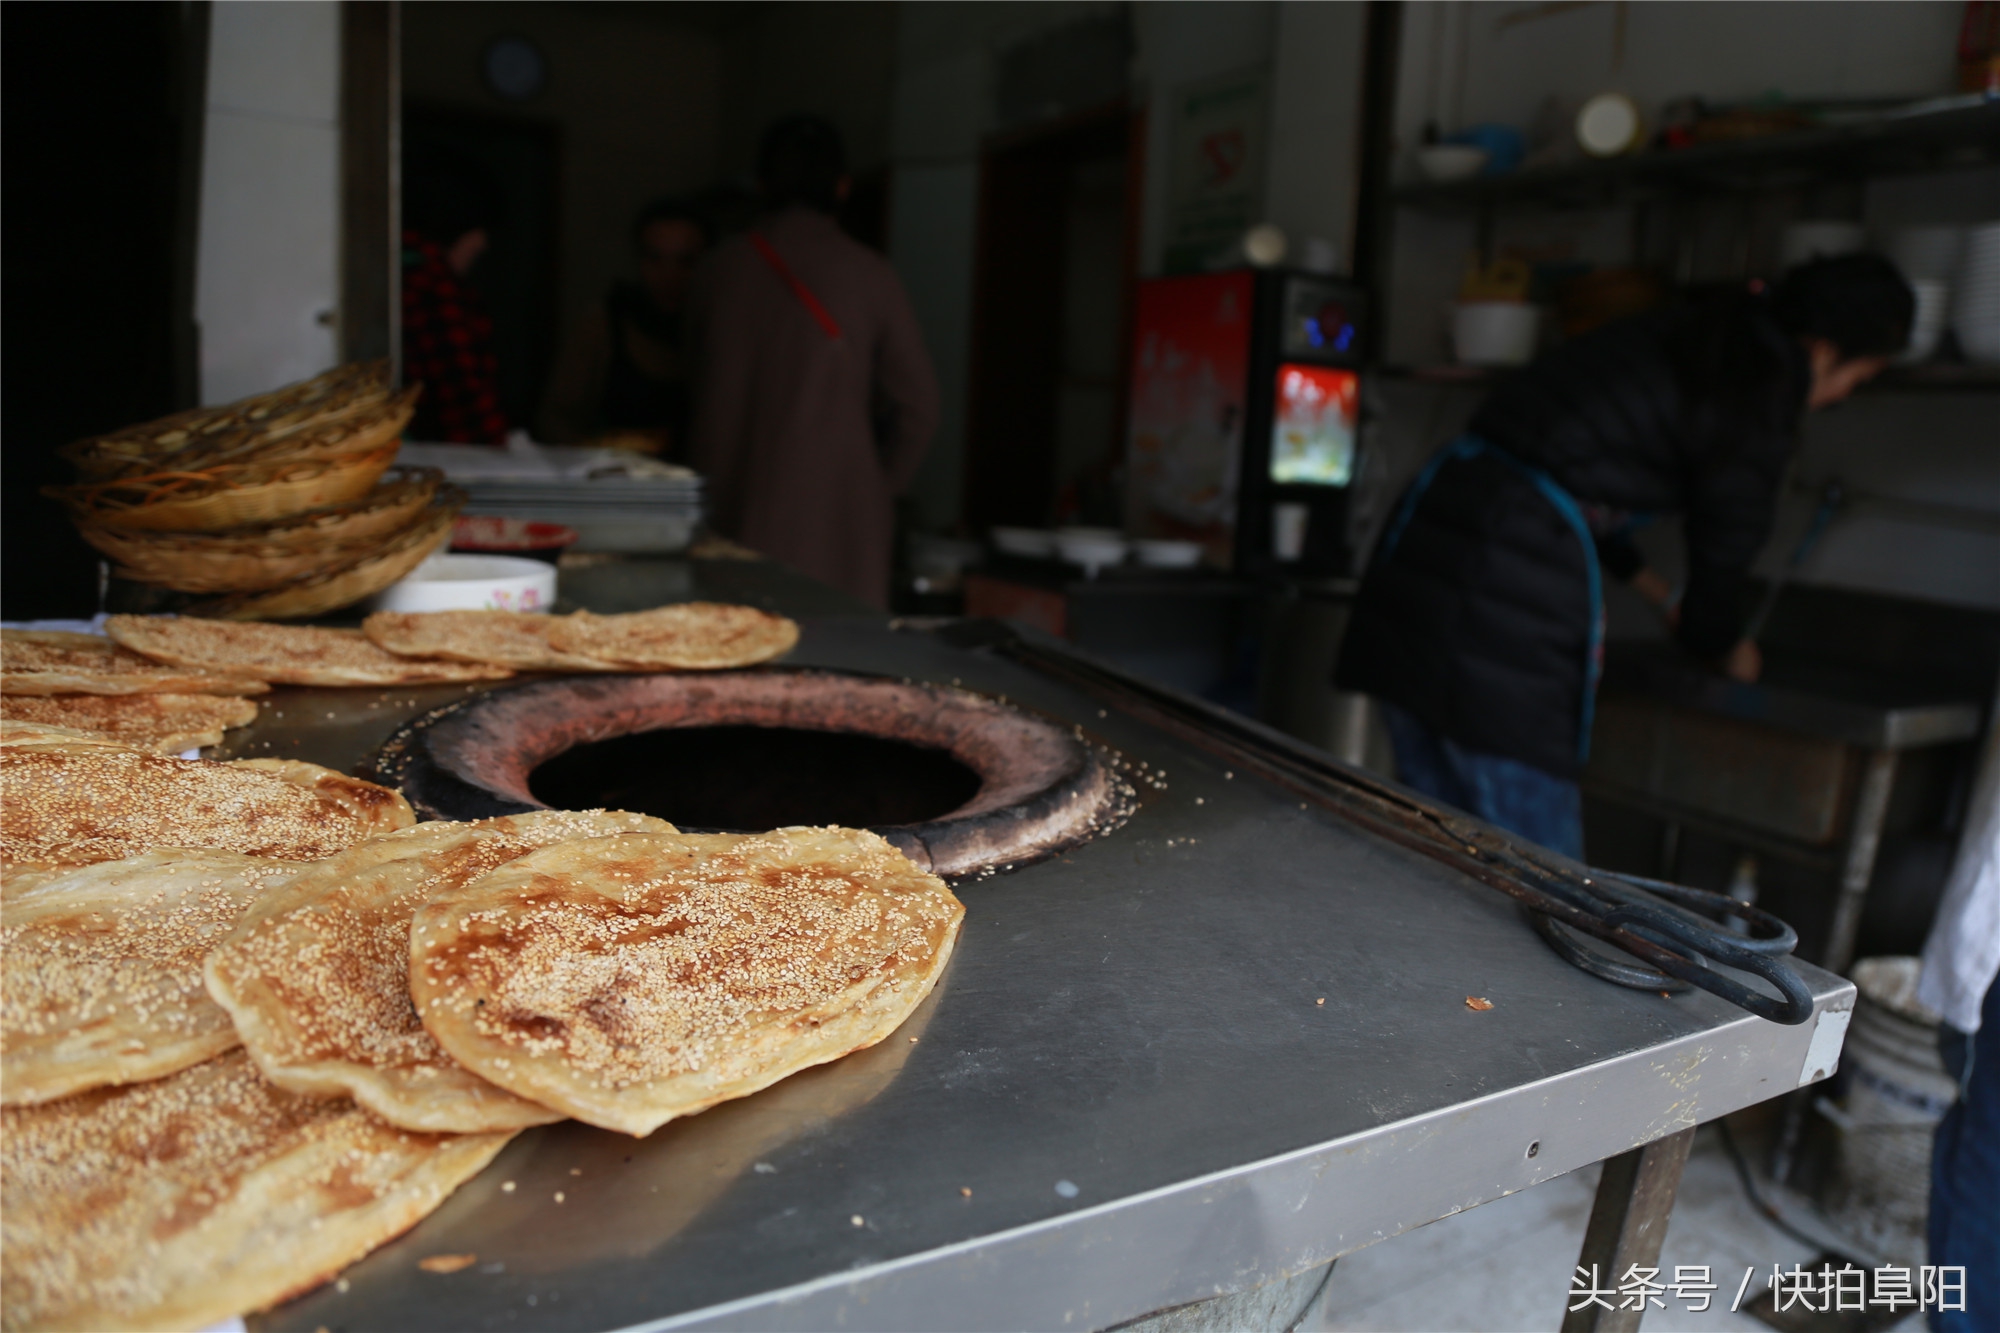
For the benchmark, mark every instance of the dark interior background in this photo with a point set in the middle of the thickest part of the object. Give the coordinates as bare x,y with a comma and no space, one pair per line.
516,277
96,269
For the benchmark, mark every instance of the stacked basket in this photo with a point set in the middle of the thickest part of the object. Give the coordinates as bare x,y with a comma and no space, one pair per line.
277,507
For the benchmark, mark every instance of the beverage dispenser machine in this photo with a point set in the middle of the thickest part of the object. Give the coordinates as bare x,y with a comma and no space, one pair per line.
1245,418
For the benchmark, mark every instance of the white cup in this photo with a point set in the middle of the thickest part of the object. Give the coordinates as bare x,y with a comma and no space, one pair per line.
1288,529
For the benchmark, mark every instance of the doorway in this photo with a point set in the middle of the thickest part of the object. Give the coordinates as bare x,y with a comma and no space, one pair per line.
516,277
1052,297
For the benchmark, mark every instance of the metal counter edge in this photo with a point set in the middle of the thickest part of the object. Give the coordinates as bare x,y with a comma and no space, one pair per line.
1237,1229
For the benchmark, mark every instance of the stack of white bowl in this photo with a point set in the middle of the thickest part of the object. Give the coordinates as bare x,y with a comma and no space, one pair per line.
1928,257
1976,303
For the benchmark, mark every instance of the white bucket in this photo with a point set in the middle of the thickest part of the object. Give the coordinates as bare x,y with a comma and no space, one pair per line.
1897,1091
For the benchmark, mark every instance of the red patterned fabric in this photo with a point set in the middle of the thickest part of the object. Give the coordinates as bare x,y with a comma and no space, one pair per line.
448,348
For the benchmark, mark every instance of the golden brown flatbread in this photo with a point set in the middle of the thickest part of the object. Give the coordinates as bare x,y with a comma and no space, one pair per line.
283,654
317,975
56,662
78,806
210,1193
161,723
690,636
103,969
630,980
18,735
510,638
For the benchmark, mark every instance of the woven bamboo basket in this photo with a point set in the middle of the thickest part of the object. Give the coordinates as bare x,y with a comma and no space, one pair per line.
383,564
179,441
250,559
228,496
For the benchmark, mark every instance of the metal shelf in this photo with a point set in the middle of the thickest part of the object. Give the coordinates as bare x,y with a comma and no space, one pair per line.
1891,145
1935,377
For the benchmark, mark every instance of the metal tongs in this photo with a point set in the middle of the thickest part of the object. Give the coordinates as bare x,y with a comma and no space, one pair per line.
1676,933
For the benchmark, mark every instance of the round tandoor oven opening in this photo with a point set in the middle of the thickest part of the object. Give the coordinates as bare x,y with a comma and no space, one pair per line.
741,779
958,781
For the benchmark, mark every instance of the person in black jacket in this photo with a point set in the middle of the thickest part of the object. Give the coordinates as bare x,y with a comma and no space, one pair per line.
1480,622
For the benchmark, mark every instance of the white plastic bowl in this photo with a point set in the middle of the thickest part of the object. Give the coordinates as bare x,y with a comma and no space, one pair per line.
1161,554
1033,543
1451,161
473,583
1495,333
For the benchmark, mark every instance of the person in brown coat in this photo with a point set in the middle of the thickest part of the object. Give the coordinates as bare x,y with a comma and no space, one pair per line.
814,398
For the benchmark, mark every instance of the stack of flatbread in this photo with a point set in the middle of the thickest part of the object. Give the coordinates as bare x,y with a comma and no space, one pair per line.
89,683
255,1024
283,654
689,636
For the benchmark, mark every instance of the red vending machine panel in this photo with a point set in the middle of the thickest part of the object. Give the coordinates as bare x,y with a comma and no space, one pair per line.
1190,377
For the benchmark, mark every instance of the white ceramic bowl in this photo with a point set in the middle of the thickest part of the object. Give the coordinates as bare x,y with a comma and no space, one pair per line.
473,583
1608,124
1092,548
1495,333
1451,161
1975,314
942,555
1156,553
1927,326
1033,543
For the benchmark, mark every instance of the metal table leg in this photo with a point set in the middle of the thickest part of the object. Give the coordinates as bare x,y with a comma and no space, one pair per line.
1628,1223
1857,867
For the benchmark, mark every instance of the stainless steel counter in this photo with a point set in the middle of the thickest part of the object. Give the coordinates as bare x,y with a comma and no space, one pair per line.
1224,1044
1809,698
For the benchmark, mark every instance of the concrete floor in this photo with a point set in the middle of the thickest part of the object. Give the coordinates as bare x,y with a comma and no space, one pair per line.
1506,1265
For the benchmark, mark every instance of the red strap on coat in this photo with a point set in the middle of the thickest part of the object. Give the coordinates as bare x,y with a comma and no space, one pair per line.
799,289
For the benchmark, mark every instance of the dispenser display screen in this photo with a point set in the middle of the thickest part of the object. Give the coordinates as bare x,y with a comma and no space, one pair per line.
1313,425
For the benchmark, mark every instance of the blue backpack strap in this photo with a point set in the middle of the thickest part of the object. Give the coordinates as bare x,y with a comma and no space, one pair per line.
1465,446
1572,513
1471,446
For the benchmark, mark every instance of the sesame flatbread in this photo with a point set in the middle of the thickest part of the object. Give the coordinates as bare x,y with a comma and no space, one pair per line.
283,654
634,979
16,734
690,636
103,969
162,723
510,638
207,1194
79,806
56,662
317,975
